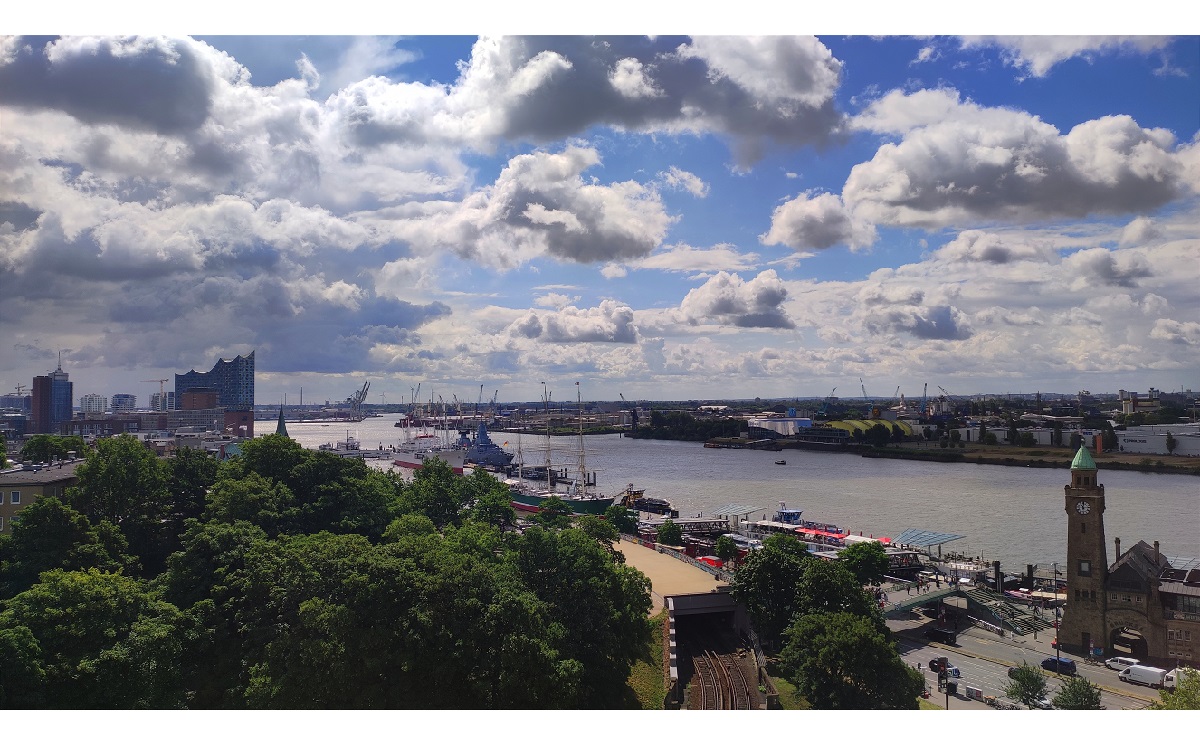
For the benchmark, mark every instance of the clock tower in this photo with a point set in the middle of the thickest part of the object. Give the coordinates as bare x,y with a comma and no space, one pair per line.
1087,560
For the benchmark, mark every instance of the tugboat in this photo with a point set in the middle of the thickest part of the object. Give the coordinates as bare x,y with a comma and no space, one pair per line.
634,499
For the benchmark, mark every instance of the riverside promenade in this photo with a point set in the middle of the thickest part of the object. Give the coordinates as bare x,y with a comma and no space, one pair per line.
668,576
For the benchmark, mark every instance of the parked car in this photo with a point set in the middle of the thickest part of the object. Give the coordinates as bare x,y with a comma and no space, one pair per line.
1120,664
1043,704
1060,665
947,636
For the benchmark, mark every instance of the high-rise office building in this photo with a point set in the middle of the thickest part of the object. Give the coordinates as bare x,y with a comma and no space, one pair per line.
233,381
124,402
52,396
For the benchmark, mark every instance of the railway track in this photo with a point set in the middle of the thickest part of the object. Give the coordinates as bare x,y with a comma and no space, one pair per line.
723,684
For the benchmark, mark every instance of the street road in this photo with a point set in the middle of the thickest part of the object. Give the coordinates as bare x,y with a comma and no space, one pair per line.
984,658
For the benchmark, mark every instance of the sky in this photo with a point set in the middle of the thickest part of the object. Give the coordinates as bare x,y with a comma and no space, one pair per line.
660,217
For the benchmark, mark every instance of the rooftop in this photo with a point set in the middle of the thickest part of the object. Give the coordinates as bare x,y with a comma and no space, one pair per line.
41,475
1083,461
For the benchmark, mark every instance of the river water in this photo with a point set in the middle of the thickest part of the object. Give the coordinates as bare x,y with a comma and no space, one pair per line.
1012,514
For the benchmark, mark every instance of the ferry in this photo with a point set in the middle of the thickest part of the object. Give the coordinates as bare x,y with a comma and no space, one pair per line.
788,521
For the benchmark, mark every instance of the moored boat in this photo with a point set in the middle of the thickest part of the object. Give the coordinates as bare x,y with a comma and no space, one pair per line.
415,458
529,496
635,499
484,452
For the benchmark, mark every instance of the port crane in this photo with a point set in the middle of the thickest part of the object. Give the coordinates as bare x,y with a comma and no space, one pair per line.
826,402
871,408
356,400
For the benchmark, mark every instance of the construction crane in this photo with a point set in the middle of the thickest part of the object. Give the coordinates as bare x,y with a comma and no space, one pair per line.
162,399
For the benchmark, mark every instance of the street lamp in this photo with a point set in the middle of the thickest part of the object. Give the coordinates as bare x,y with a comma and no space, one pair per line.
1056,609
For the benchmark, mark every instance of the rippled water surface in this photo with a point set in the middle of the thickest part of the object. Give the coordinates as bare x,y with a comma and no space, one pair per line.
1012,514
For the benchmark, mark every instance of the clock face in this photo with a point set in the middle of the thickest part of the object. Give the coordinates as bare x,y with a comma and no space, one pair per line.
1083,507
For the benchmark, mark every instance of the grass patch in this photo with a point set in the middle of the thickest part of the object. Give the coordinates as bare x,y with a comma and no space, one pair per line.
646,678
789,698
924,704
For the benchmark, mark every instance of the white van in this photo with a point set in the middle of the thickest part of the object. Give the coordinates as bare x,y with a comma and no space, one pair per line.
1118,664
1172,677
1147,675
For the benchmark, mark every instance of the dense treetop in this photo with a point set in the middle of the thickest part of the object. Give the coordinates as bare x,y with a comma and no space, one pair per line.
289,578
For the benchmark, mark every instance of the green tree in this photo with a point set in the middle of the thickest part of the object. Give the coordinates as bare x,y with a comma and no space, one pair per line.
494,507
879,435
1186,695
1171,443
22,676
3,453
436,492
553,512
206,580
42,448
1109,436
866,560
599,529
955,437
193,472
603,605
843,661
271,456
124,483
828,588
1056,436
726,548
50,536
1012,433
1077,693
765,584
105,641
670,533
1026,685
619,517
252,498
1026,440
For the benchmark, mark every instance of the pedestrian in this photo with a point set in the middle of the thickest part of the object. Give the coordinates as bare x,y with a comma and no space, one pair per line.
919,666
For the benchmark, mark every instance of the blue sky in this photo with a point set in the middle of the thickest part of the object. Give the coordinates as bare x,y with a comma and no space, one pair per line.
664,217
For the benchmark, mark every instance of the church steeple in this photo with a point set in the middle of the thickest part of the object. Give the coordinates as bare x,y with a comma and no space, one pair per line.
281,428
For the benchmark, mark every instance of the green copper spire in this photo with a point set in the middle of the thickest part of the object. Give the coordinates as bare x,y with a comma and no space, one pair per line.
281,428
1083,461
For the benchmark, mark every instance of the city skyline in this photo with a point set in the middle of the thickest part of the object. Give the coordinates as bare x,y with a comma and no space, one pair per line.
659,217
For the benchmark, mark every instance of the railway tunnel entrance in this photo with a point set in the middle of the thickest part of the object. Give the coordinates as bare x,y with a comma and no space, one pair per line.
714,663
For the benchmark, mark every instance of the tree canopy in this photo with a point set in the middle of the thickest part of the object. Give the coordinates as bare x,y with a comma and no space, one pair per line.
1027,684
670,533
866,561
1186,695
289,578
103,640
843,661
1077,693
